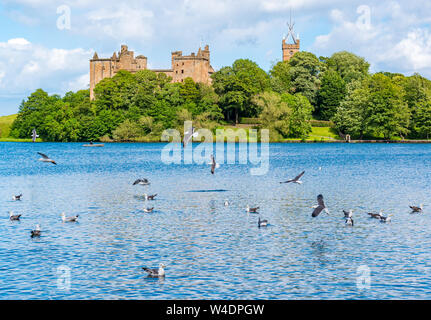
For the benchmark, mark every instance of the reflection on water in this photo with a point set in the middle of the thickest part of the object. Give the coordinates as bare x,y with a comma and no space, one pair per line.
213,251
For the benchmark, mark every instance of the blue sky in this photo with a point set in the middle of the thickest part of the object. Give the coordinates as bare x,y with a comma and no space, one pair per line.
34,53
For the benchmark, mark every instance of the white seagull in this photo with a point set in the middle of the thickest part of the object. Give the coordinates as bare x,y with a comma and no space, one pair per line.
45,158
69,219
296,179
188,135
156,273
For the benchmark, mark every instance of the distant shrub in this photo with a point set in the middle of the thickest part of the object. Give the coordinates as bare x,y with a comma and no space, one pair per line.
250,121
321,123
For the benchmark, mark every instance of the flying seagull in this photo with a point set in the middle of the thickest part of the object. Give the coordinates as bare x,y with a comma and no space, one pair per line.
188,135
149,197
262,223
34,135
417,209
251,210
45,158
36,232
296,179
156,273
14,216
319,207
214,165
17,198
142,182
69,219
148,210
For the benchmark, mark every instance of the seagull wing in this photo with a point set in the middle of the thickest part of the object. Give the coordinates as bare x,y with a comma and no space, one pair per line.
151,272
187,136
299,176
317,211
43,155
136,181
213,164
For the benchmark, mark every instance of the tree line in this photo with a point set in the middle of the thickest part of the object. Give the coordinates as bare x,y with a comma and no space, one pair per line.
340,88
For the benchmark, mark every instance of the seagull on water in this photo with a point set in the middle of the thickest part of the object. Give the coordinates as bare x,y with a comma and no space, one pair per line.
69,219
376,215
348,214
188,135
45,158
251,210
349,221
226,203
149,197
214,165
296,179
142,182
156,273
386,219
417,209
36,232
148,210
14,216
17,198
262,223
319,207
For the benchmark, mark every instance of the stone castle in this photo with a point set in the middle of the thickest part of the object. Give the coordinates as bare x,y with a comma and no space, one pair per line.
196,66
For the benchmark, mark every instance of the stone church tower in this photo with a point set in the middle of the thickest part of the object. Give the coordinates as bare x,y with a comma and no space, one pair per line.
196,66
289,49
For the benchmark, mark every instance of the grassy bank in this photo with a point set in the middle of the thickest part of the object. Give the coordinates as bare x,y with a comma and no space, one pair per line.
5,125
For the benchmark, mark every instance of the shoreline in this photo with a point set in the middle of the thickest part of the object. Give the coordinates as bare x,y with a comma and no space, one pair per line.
286,141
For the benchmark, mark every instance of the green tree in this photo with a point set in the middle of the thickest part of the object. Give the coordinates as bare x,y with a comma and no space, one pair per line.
388,114
349,66
127,131
304,75
280,77
237,85
351,115
423,120
330,95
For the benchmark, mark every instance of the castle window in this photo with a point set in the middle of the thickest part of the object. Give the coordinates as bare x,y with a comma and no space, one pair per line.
182,71
183,63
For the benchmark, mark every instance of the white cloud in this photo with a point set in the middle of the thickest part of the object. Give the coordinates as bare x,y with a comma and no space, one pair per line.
396,39
26,66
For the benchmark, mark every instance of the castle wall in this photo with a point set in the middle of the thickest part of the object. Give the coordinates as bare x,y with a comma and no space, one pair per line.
195,66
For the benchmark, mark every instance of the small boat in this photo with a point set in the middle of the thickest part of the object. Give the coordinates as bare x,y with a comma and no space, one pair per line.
91,144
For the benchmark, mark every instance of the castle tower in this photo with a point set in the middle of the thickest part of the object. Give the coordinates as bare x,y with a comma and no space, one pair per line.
289,49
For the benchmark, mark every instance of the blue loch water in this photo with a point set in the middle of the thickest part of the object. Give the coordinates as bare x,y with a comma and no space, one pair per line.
212,251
